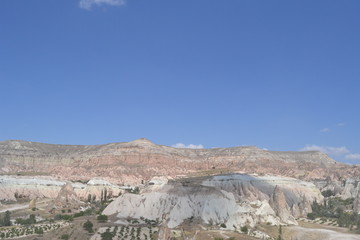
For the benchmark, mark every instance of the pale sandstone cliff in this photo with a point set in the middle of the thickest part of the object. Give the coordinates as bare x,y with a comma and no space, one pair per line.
14,188
218,199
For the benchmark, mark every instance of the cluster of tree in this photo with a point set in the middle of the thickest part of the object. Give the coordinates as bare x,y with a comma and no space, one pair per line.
132,233
70,217
335,208
332,208
107,235
105,195
349,220
328,193
91,198
20,231
5,219
26,221
151,222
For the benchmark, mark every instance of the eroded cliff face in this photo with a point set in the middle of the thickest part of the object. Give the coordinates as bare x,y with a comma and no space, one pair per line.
131,162
235,200
15,188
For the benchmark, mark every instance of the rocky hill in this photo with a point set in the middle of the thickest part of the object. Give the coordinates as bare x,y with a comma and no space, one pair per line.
235,200
173,187
132,162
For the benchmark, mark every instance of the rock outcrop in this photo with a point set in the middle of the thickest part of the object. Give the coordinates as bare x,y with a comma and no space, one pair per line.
32,203
14,188
357,201
280,206
216,200
67,197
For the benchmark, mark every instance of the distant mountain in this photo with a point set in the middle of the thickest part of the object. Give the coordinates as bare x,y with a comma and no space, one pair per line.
132,162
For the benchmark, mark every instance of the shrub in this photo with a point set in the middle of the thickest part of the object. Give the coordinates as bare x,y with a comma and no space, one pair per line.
311,216
79,214
244,229
328,193
28,221
67,217
223,225
102,218
65,237
88,226
39,230
106,235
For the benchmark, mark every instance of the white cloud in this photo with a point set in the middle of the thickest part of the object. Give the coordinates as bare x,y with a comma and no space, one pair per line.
328,150
353,156
340,124
87,4
193,146
325,130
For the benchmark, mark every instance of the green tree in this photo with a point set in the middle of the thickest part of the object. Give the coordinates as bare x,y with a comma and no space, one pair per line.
311,216
88,226
328,193
244,229
280,234
39,230
7,221
107,235
32,219
102,218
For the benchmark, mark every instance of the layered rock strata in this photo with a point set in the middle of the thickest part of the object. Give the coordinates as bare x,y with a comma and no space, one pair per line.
132,162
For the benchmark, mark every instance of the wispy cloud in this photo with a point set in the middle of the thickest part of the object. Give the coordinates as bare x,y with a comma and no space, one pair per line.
325,149
325,130
353,156
340,124
193,146
87,4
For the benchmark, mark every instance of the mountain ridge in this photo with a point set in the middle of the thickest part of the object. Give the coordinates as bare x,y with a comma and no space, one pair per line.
141,159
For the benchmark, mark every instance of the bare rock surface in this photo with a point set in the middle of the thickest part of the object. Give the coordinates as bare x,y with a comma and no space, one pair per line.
13,188
218,199
280,206
66,197
32,203
357,201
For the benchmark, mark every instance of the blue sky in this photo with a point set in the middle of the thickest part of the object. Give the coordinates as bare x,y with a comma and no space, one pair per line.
279,74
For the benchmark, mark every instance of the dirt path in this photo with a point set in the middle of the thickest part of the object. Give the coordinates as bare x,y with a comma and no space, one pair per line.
299,233
14,207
